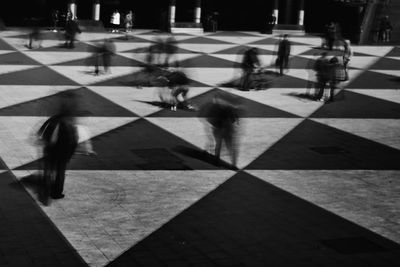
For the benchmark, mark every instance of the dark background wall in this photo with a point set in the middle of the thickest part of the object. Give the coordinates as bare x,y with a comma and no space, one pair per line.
233,15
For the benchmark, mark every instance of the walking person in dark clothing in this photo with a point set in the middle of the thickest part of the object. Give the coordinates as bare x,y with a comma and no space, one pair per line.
71,29
223,116
321,67
60,139
249,63
108,51
283,54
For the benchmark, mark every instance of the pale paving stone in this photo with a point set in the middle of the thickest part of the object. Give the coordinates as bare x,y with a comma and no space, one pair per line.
123,207
359,196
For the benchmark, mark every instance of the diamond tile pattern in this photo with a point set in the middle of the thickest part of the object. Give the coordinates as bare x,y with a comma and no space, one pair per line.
148,187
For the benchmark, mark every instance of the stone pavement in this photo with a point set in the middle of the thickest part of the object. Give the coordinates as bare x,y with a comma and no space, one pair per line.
317,185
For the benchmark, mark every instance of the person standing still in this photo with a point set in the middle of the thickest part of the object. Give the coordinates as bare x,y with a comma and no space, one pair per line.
115,21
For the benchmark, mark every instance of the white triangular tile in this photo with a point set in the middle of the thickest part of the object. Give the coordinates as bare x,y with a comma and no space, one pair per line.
213,76
373,50
85,75
49,58
384,131
368,198
251,133
121,46
163,36
392,95
316,42
265,60
206,48
292,100
16,94
362,62
294,50
13,68
237,39
21,43
395,73
139,100
17,138
119,212
3,52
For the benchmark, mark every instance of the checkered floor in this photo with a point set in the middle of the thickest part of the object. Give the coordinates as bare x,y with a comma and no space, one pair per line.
342,157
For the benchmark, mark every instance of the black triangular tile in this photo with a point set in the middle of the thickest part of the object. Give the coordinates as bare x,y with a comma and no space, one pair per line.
204,61
233,33
6,46
202,40
130,39
17,58
317,51
44,35
139,145
251,109
273,41
116,60
287,81
374,80
89,103
385,63
240,49
266,41
2,165
14,228
354,105
79,47
297,62
246,212
142,78
314,146
395,52
146,50
36,76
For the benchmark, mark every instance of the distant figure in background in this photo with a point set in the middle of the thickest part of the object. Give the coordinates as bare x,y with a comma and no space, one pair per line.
321,68
54,19
35,34
330,35
60,139
347,54
271,21
71,29
128,21
68,16
282,60
385,29
212,22
223,116
250,62
115,21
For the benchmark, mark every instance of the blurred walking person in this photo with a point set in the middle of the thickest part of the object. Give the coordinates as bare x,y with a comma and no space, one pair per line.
282,60
223,116
71,29
60,139
321,68
250,62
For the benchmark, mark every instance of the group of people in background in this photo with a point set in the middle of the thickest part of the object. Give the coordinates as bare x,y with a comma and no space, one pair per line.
116,21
